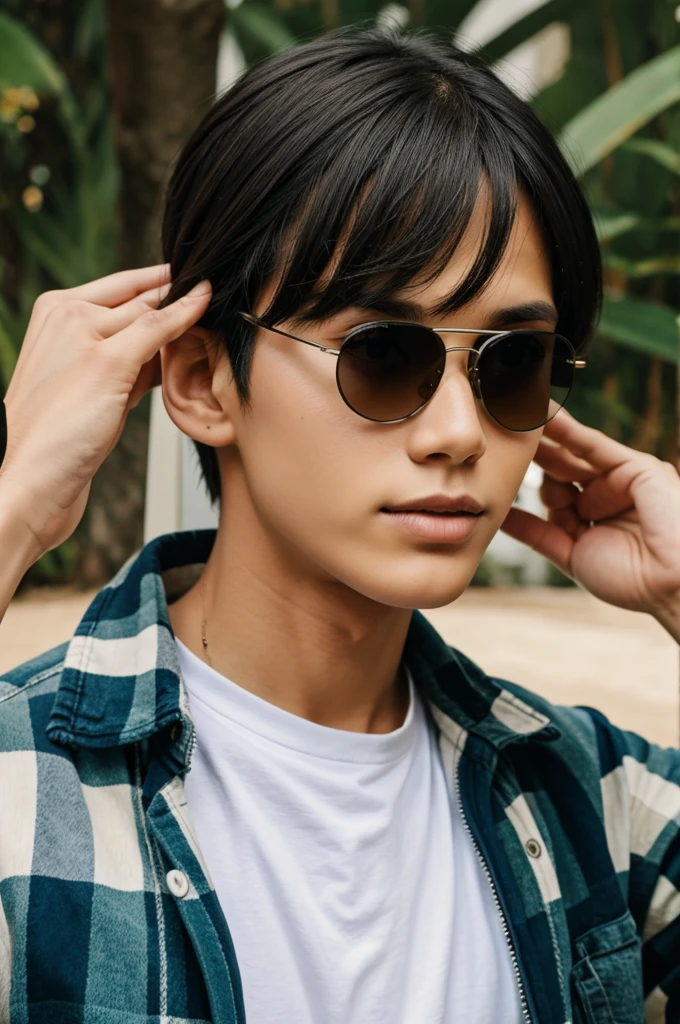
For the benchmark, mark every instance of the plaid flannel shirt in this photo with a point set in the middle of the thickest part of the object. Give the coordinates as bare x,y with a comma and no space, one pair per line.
107,911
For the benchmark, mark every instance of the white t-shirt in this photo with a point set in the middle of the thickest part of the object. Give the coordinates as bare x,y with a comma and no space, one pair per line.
352,892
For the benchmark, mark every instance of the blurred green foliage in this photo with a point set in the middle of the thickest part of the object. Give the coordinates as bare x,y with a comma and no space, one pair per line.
615,108
58,177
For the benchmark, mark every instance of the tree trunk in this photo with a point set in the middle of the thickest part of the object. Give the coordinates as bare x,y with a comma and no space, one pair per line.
164,63
163,56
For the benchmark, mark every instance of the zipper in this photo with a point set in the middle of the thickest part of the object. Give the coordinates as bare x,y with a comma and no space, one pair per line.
192,744
506,930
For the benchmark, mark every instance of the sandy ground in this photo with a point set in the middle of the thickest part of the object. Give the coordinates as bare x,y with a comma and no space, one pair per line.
562,643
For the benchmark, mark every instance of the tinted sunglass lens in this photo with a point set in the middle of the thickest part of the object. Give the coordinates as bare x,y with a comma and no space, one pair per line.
388,371
525,378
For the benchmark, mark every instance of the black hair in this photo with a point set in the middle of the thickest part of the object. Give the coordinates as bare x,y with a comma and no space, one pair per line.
379,139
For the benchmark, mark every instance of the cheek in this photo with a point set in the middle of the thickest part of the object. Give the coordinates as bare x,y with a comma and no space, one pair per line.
507,458
305,454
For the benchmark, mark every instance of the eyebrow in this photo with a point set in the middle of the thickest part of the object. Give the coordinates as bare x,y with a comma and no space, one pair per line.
403,309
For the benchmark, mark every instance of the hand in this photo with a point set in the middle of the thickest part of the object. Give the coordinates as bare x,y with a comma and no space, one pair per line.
630,556
89,356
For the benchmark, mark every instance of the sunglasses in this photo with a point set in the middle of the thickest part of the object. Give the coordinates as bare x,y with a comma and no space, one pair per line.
388,370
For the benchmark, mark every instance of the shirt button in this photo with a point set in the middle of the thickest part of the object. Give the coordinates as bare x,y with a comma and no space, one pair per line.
178,883
533,847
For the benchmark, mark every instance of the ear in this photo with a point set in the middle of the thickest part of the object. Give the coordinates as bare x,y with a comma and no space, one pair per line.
198,389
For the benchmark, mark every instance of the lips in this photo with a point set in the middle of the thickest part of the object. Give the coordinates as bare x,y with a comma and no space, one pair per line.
454,525
439,503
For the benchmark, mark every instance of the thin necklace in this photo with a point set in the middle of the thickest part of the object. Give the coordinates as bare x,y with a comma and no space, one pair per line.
204,640
203,623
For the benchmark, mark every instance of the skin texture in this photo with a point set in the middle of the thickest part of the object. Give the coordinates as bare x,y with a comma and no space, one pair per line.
309,589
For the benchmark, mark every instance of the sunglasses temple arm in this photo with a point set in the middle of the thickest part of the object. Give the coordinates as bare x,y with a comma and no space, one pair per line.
285,334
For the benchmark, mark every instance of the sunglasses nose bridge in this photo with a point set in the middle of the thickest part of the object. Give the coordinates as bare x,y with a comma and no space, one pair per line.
463,348
472,369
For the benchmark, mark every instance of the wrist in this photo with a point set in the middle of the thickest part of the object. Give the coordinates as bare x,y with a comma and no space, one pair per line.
667,613
18,543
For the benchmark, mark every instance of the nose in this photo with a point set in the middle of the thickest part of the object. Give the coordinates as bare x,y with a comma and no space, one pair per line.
451,422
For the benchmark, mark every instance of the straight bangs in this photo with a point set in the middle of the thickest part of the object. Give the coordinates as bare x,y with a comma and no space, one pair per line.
346,169
390,212
379,191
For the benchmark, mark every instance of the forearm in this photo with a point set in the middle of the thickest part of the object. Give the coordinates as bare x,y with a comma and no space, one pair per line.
19,549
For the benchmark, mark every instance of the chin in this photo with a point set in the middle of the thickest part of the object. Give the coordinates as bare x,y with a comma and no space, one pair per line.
419,587
428,599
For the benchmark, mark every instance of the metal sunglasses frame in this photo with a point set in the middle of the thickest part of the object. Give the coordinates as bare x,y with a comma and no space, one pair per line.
473,374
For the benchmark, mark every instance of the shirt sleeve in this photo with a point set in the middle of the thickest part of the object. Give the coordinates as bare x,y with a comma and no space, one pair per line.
640,785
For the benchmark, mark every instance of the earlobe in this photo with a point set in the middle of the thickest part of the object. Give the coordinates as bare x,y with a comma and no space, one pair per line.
194,393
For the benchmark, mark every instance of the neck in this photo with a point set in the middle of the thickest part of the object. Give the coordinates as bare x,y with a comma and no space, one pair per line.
308,644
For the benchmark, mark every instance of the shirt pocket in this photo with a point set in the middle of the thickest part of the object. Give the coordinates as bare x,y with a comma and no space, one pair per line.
606,978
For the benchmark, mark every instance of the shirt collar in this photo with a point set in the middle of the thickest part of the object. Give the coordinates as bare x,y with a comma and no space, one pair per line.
121,680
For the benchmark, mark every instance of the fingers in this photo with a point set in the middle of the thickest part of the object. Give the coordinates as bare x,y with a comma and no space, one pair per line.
610,494
562,465
108,291
614,478
606,496
556,495
568,519
547,538
586,443
123,286
140,342
110,321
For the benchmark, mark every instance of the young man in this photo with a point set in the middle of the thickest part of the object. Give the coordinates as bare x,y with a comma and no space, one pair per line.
256,785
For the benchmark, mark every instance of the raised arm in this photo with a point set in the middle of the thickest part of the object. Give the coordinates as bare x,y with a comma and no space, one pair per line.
89,356
19,549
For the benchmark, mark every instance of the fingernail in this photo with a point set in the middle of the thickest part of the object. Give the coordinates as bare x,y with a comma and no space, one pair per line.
202,288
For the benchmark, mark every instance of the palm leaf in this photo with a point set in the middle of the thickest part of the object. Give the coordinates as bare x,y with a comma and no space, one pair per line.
640,325
616,115
609,227
24,61
59,254
668,263
522,30
657,150
260,30
446,13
